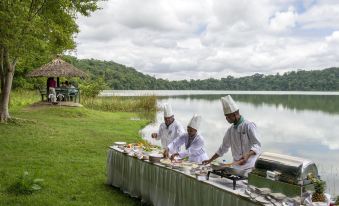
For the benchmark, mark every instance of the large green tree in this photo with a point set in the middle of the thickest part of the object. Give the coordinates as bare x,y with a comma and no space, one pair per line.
33,28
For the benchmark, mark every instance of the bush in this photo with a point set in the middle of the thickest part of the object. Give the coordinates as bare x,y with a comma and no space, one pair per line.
92,88
25,185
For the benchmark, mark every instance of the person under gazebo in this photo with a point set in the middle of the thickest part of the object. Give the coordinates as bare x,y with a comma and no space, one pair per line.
51,83
63,85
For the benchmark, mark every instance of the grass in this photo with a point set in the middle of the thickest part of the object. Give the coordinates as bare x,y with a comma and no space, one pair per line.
67,148
125,104
22,98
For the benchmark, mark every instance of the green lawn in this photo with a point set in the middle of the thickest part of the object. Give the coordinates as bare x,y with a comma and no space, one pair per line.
67,147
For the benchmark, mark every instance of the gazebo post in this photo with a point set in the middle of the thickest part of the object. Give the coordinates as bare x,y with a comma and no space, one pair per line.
58,82
47,90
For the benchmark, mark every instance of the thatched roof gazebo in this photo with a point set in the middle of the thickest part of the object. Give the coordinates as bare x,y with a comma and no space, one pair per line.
57,68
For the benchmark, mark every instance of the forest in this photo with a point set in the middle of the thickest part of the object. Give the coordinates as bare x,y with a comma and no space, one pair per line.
120,77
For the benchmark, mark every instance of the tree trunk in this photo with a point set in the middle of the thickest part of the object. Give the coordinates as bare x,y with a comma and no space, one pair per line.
7,77
2,71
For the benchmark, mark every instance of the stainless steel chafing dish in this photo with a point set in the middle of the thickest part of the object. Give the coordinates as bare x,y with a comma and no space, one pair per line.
283,173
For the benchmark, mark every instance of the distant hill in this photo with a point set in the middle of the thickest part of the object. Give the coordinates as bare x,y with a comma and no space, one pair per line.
118,76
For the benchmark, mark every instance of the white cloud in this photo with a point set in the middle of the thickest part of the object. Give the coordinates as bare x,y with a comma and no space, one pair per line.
205,38
322,16
283,20
334,38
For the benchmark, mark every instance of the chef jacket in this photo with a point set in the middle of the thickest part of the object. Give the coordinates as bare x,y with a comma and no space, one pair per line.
168,134
241,138
194,149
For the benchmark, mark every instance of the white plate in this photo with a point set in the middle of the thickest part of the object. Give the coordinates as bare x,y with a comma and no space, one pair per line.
120,143
156,155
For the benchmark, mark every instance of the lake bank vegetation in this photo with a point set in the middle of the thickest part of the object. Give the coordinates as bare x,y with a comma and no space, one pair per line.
121,77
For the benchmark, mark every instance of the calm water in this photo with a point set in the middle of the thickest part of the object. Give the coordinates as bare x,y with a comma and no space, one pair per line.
304,124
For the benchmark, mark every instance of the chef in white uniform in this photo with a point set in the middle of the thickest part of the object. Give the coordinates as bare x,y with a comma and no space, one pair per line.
242,137
169,129
193,142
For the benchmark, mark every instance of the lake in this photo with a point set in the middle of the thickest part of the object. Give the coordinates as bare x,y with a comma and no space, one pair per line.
304,124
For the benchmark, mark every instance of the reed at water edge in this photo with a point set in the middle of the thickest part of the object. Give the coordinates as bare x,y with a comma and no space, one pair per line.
121,104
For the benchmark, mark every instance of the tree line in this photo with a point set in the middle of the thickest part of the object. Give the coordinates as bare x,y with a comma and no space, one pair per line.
120,77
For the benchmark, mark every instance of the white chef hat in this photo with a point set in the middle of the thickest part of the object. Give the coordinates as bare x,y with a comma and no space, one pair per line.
167,110
195,122
229,105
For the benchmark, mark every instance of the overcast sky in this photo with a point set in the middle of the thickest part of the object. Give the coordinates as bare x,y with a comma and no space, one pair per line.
199,39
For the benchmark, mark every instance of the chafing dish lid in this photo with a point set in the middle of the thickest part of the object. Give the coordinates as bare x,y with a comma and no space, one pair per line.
285,164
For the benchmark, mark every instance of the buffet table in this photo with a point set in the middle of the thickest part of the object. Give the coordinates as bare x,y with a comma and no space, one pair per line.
162,186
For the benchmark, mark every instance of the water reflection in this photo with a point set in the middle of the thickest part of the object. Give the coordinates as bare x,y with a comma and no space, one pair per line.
324,103
305,126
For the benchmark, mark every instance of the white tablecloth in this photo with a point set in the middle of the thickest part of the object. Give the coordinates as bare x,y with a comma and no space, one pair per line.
162,186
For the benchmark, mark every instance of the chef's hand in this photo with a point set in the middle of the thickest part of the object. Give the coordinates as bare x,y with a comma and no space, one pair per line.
215,156
173,155
206,162
166,153
154,135
245,157
242,161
